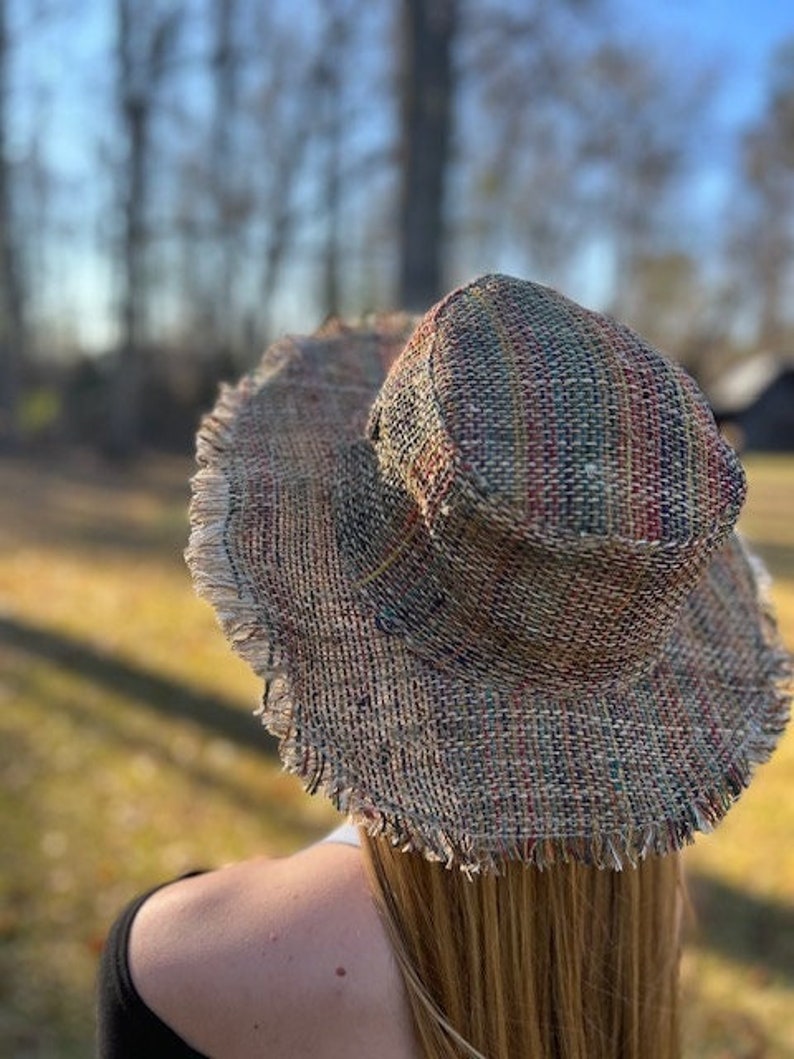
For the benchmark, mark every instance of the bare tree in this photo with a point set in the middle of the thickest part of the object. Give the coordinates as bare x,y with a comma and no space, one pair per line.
288,120
763,234
427,93
570,143
227,68
12,314
515,134
519,134
145,43
243,192
639,126
331,84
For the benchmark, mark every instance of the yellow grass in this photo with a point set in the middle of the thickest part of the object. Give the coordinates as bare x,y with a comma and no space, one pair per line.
739,965
127,755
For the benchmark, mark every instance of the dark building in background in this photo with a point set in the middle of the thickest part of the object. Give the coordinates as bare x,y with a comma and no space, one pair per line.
756,408
768,423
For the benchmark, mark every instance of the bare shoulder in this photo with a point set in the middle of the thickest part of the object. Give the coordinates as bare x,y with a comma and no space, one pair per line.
285,954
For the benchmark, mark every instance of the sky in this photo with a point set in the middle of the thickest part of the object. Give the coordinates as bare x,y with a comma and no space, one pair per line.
735,37
735,33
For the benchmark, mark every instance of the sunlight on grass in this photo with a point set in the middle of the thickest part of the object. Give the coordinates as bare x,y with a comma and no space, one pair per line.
128,755
738,968
127,750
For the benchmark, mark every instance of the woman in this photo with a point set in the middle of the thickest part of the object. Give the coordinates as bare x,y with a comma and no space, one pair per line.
505,624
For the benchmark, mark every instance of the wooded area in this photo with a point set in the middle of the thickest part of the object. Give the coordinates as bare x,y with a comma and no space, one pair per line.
259,166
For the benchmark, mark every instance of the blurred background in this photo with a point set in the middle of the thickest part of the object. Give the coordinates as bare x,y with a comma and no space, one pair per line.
182,181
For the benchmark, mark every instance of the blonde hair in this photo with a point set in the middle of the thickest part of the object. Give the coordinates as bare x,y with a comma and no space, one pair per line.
571,962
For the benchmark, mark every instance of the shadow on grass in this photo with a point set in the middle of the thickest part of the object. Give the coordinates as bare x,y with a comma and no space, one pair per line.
212,714
168,696
84,505
742,926
737,924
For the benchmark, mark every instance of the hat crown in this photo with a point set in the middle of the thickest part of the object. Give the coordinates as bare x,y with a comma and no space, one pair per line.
562,420
571,482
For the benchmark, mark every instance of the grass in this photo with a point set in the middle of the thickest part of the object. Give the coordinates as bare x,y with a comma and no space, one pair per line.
128,755
739,962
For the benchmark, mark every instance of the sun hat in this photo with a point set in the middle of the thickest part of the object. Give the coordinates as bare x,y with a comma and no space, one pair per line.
496,597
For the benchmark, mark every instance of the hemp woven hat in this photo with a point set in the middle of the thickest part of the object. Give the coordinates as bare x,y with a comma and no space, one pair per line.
497,599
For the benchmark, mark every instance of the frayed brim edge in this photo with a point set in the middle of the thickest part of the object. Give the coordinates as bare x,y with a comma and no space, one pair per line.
242,618
246,625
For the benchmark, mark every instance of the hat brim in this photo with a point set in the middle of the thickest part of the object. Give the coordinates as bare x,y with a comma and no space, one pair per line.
466,769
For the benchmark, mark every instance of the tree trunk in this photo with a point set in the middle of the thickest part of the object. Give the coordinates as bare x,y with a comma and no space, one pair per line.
427,95
12,329
330,77
126,419
144,48
288,147
224,171
124,424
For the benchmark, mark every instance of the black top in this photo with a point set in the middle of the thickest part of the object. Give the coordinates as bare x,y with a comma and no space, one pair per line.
126,1027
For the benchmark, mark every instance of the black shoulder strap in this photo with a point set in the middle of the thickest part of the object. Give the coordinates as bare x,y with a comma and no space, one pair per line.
126,1027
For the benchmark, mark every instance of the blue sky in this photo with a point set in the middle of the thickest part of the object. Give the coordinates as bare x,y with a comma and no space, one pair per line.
737,35
69,63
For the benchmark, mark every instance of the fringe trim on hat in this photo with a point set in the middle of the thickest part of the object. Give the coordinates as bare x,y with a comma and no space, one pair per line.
614,852
617,851
251,634
242,618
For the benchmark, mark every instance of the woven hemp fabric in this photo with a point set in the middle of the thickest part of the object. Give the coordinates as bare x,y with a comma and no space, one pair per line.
488,570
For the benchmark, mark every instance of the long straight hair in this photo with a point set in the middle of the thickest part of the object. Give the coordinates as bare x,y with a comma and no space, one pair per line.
571,962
